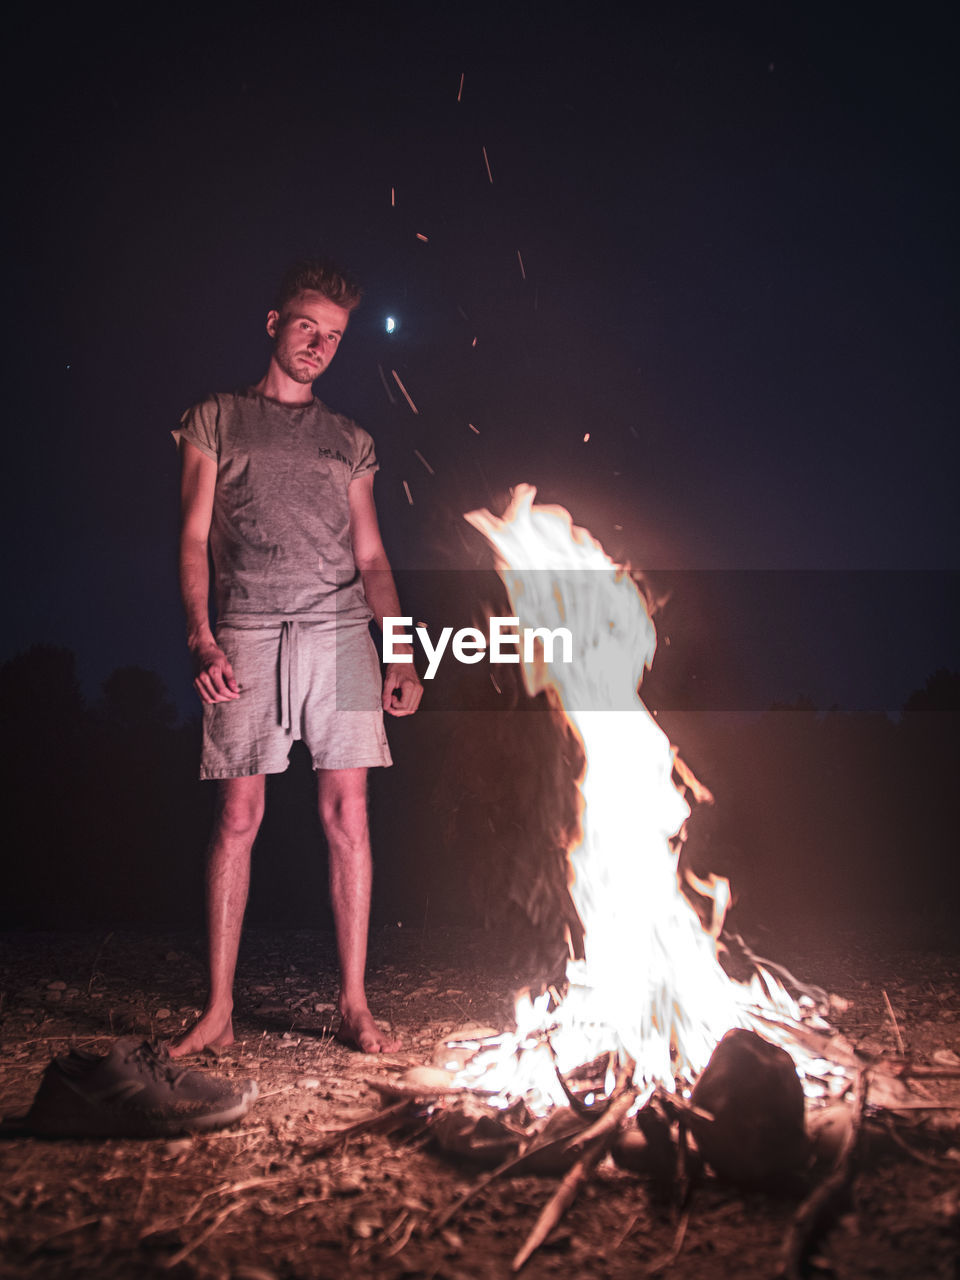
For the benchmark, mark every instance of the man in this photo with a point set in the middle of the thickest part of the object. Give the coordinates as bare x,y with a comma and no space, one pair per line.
281,489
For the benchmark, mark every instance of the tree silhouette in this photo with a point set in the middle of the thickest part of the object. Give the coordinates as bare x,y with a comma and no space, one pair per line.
40,690
135,700
940,693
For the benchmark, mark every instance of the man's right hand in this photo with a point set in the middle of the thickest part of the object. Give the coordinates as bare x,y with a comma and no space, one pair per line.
214,681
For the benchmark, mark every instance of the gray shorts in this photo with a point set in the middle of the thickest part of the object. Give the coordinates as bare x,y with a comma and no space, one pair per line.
298,680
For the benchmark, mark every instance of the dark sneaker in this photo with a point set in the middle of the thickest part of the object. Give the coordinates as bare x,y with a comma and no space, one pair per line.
135,1091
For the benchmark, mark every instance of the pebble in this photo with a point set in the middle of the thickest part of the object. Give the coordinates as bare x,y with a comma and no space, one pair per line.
946,1207
308,1082
56,986
427,1078
164,1013
366,1222
177,1147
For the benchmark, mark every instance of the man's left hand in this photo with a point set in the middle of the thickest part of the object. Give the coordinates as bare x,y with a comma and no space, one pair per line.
402,689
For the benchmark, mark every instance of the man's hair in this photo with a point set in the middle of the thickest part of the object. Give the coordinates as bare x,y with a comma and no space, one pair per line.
322,276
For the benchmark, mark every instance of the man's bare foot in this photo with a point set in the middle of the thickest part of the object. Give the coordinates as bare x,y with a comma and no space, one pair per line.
358,1031
208,1032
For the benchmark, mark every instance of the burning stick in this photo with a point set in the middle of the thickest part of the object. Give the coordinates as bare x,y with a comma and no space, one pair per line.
596,1142
576,1103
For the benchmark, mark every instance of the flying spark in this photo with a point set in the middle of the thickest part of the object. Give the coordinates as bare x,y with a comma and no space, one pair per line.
486,161
474,429
425,462
520,260
460,90
406,489
406,393
386,385
421,236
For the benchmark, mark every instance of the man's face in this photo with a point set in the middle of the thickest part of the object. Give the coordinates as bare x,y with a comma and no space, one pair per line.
306,335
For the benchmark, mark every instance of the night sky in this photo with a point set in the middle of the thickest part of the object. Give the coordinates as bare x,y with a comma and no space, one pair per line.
737,229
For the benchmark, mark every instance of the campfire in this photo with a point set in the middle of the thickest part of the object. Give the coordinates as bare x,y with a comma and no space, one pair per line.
654,1053
649,990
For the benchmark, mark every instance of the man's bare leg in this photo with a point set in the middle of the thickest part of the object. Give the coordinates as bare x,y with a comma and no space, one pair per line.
343,812
239,812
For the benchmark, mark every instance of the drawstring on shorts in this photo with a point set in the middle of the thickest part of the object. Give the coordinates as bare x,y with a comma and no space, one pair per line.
289,671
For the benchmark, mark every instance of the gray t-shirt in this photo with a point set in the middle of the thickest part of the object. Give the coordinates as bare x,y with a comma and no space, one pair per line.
280,534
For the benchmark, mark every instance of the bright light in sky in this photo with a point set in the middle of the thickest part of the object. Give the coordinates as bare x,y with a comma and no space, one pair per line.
391,324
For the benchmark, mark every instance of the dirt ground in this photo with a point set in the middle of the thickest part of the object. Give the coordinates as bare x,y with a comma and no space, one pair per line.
247,1202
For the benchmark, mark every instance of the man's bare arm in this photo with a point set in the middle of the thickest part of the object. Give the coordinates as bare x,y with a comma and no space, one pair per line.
402,689
215,680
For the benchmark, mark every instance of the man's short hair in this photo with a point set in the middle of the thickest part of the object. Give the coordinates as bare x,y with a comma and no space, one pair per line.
319,275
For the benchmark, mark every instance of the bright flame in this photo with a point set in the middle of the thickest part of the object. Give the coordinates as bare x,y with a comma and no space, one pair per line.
650,990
